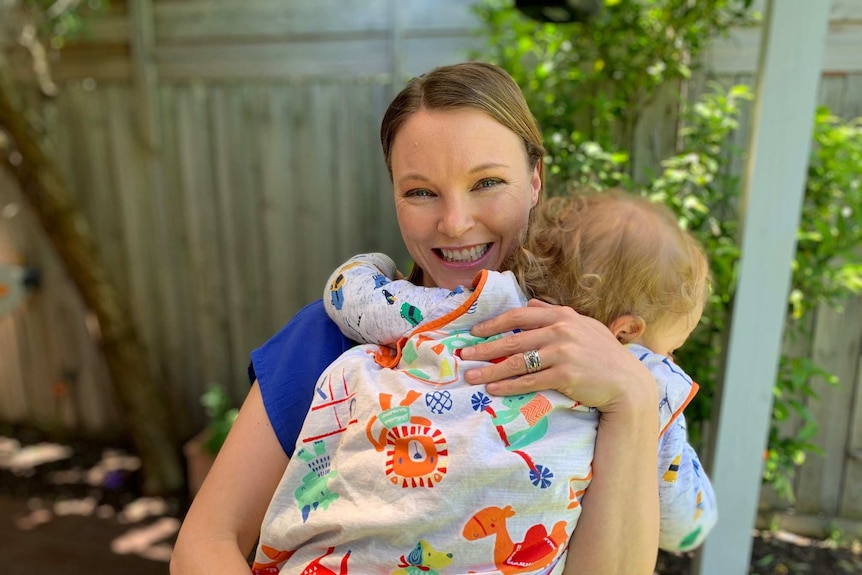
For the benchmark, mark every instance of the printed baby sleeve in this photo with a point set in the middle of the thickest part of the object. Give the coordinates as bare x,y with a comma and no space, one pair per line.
369,306
686,498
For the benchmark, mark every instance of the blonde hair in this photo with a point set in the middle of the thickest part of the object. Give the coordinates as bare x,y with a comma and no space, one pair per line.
612,254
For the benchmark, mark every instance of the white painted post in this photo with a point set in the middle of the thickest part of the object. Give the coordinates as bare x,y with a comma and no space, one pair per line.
791,57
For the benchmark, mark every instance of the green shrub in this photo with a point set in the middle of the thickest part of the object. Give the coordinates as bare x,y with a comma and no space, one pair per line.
589,82
220,416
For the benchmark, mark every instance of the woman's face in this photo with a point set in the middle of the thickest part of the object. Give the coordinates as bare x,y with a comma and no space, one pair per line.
463,193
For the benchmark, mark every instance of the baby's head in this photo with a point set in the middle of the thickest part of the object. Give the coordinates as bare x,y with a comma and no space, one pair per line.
620,259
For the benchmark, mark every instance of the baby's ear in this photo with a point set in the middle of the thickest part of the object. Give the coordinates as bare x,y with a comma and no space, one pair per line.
627,328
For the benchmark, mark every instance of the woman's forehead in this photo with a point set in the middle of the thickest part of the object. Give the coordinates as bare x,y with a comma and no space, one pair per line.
464,137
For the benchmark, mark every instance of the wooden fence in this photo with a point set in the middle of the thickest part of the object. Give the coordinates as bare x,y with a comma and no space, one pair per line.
225,153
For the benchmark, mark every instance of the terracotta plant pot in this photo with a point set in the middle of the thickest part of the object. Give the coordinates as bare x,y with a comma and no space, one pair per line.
198,461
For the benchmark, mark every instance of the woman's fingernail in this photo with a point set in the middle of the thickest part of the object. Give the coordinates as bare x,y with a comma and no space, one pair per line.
471,375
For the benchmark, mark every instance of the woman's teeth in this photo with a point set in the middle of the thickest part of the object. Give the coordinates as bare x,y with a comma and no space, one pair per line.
464,255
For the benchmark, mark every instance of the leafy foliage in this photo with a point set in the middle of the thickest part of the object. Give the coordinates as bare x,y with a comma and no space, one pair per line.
828,262
588,84
220,415
705,199
57,21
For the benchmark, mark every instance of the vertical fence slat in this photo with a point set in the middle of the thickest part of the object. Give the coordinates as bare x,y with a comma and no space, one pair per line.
13,404
236,202
837,341
279,140
182,357
13,401
851,496
205,277
248,200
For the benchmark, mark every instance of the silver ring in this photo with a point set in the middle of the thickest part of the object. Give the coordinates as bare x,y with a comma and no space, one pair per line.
532,361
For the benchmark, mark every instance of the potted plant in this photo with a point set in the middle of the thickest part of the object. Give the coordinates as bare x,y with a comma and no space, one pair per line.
200,450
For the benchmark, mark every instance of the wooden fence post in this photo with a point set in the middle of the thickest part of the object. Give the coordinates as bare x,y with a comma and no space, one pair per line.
791,58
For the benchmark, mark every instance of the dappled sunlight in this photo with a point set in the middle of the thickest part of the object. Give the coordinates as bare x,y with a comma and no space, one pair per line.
35,518
23,460
107,472
66,487
42,512
142,508
85,506
148,541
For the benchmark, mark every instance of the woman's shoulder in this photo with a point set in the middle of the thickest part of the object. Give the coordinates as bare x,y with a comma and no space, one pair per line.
311,326
310,338
309,314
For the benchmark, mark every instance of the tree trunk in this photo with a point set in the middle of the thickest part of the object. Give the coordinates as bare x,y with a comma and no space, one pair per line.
145,408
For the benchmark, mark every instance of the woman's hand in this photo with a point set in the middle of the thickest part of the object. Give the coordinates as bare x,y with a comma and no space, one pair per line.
579,357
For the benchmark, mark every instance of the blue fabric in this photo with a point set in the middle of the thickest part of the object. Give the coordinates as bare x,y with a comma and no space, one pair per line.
288,365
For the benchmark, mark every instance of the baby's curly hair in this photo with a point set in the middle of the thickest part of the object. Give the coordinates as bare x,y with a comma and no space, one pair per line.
609,254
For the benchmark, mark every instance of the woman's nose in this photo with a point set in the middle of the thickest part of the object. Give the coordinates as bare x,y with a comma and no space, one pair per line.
456,219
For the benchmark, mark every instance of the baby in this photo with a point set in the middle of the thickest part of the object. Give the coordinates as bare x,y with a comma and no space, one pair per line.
402,464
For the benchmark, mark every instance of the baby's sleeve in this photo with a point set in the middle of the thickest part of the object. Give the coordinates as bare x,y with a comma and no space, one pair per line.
370,306
686,498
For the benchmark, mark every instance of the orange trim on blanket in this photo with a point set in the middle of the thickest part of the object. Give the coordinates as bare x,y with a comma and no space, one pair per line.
387,357
691,393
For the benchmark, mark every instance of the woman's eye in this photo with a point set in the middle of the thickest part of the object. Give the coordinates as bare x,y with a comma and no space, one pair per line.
418,193
488,182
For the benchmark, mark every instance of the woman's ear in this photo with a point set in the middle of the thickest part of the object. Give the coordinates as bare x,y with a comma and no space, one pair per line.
536,185
627,328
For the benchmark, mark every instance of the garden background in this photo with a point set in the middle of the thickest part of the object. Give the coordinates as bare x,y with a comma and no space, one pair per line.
225,157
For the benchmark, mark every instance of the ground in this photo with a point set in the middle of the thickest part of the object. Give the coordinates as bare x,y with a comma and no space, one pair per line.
70,507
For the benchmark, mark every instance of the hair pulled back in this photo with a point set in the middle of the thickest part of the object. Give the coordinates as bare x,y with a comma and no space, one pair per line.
477,85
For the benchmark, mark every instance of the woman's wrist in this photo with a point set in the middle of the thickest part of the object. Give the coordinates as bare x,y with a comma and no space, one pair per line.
637,394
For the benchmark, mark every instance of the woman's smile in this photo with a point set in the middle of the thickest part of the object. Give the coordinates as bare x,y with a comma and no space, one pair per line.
467,255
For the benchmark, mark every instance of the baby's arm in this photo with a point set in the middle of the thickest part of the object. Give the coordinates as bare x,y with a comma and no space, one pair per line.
687,502
686,499
369,306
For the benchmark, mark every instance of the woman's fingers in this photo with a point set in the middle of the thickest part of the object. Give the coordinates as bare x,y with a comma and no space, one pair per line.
537,314
578,356
513,365
544,380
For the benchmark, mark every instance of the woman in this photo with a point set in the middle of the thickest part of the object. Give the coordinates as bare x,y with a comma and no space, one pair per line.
465,158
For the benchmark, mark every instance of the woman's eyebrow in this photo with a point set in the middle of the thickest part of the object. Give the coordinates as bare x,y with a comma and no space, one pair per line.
473,170
413,177
487,166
